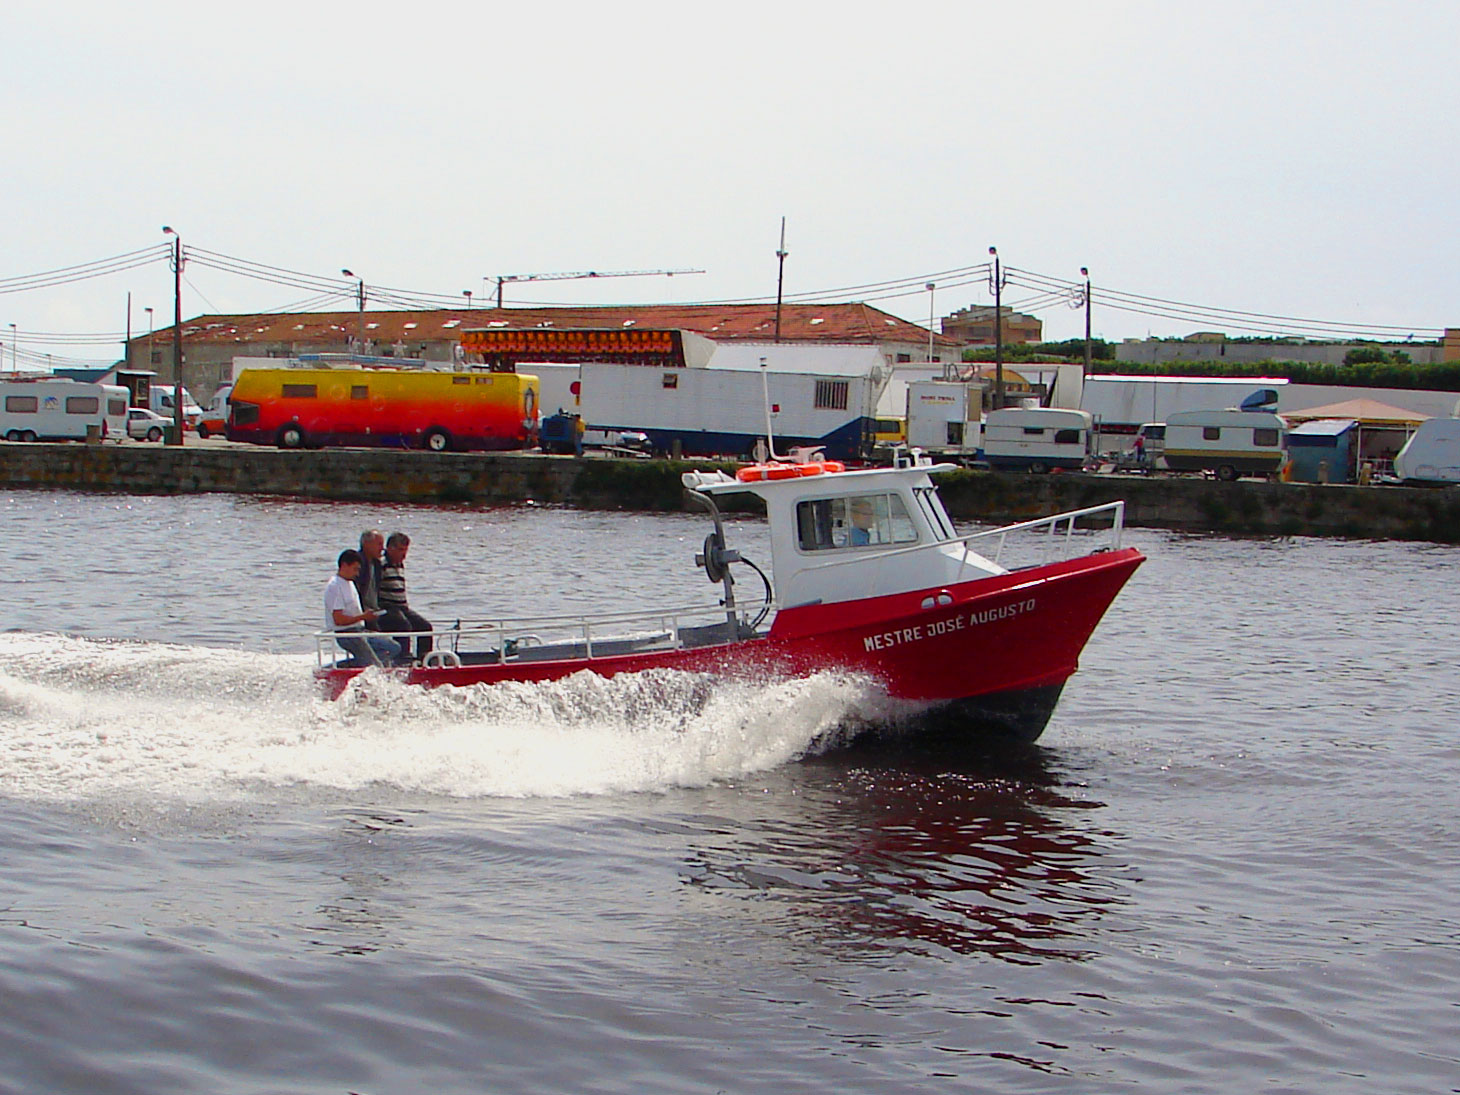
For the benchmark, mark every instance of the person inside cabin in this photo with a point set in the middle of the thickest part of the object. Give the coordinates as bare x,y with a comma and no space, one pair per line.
372,562
864,523
343,615
398,613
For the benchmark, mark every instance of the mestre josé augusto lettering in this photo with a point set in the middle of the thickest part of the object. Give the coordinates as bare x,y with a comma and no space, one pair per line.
885,639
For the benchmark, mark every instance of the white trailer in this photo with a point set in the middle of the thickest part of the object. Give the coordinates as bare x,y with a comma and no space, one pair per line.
61,410
1229,443
1432,455
1036,439
1122,404
722,412
945,417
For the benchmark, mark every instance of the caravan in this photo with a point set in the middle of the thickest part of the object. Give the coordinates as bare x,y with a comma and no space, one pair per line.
44,409
1230,443
1432,455
1036,439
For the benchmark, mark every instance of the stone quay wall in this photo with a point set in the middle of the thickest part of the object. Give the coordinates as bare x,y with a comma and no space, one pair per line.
1247,507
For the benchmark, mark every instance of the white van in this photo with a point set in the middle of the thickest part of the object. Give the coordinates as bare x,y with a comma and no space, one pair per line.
1230,443
1036,439
61,410
1432,454
161,402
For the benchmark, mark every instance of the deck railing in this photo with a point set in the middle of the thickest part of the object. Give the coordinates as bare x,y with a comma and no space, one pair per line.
580,636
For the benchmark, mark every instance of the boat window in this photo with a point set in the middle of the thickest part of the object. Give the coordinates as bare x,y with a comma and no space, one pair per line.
300,391
933,511
1266,438
859,520
82,404
1211,433
20,404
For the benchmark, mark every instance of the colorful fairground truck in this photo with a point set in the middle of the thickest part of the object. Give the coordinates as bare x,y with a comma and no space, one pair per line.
348,403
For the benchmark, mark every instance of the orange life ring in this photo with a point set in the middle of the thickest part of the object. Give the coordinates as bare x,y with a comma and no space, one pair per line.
756,473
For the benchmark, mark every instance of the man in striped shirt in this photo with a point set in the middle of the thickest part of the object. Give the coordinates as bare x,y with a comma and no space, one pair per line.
392,593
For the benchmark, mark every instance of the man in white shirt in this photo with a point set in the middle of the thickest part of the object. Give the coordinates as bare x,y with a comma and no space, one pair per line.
343,614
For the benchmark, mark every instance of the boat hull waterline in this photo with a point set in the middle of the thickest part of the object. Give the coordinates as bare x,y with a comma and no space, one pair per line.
993,653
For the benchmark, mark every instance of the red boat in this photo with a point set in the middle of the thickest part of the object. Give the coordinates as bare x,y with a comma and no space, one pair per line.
868,577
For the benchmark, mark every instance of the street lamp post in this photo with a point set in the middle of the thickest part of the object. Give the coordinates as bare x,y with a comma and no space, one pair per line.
360,300
149,336
14,351
177,349
467,293
930,286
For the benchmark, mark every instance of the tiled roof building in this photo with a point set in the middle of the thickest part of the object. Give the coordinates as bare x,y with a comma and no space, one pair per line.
211,342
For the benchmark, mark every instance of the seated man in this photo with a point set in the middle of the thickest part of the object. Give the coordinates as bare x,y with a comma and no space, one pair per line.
398,614
864,523
343,615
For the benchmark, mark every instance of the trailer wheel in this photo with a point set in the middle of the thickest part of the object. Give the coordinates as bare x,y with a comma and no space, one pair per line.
291,436
1227,473
436,440
13,435
1036,467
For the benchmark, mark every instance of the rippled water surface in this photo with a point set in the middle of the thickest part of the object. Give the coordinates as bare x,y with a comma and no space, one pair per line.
1230,865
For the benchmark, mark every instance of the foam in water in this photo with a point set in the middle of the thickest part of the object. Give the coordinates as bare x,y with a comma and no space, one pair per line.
82,718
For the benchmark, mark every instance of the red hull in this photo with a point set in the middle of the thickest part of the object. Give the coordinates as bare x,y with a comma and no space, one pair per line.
995,639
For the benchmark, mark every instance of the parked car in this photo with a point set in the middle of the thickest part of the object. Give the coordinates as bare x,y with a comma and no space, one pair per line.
145,425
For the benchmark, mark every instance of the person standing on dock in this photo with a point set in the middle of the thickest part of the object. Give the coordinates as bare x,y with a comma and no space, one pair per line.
398,614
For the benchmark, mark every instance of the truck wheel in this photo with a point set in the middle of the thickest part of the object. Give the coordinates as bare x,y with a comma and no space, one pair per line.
1227,473
291,436
154,434
436,440
202,431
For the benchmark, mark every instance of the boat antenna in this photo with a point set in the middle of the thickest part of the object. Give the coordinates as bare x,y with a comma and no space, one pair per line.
765,391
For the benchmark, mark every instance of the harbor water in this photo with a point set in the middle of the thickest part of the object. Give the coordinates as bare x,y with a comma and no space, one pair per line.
1229,865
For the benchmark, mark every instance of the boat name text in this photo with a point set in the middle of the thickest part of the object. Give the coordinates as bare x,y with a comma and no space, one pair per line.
884,640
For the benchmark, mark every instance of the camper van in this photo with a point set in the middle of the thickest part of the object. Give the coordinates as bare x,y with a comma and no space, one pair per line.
1432,455
61,410
1230,443
1036,439
160,400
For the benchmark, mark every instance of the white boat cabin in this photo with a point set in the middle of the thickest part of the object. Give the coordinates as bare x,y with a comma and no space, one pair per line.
848,535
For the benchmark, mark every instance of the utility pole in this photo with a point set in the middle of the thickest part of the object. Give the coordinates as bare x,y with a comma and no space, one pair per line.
360,301
781,254
177,348
998,287
1086,274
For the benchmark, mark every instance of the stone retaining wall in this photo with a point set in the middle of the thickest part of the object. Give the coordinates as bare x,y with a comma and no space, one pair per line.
1198,505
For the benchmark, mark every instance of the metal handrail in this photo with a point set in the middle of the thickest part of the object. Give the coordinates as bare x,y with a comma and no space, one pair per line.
570,627
1002,532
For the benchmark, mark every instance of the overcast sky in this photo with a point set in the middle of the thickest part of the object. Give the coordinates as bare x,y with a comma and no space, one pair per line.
1294,158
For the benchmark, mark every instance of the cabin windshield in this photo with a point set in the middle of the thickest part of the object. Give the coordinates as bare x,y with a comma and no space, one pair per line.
853,521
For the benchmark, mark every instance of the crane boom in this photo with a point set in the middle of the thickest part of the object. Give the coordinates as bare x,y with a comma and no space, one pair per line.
502,279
